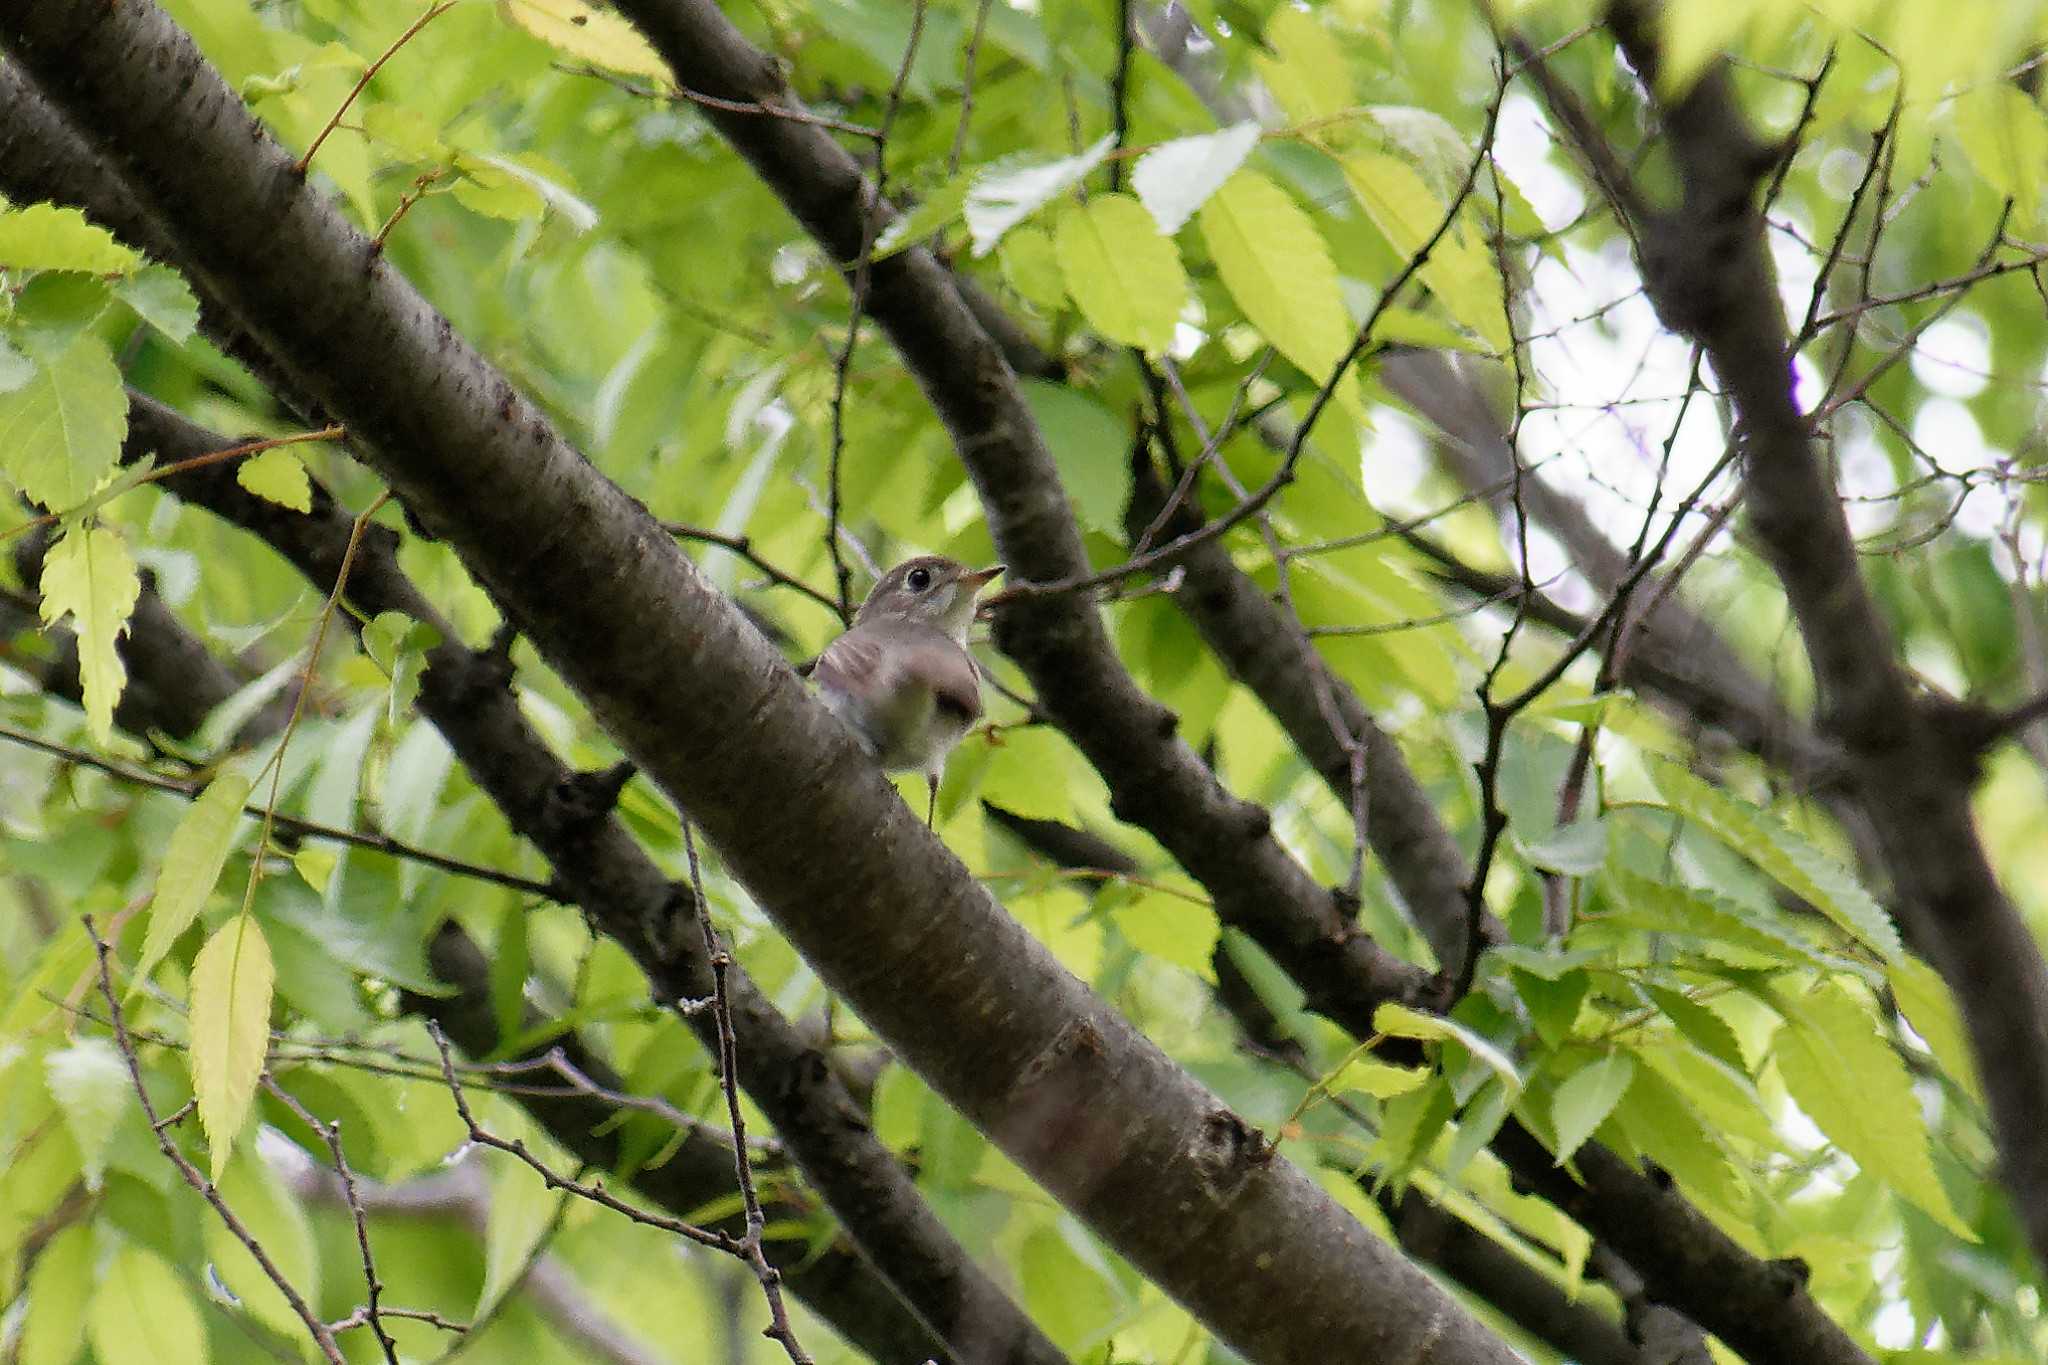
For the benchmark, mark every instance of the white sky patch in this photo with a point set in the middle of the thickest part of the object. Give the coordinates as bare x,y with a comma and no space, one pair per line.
1522,139
1954,356
1394,461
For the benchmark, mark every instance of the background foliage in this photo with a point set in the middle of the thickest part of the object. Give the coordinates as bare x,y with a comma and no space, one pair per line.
1731,1001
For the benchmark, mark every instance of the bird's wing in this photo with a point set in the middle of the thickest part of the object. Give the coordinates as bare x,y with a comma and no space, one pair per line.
851,663
949,671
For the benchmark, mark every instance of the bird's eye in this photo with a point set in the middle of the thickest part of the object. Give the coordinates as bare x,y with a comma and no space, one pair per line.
918,579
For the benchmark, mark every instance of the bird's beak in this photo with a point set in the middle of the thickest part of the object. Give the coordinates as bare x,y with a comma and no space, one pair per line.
980,577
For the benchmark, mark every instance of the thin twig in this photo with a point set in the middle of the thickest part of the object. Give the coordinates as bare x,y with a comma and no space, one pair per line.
322,1337
743,546
304,829
369,72
751,1248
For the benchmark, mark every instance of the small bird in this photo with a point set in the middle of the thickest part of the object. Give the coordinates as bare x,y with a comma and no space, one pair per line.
901,675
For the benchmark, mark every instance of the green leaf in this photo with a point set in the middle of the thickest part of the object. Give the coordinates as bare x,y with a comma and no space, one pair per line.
280,1224
91,1084
410,134
1091,448
1032,268
61,431
232,981
53,1330
932,213
142,1311
1575,850
1638,903
1585,1098
522,1206
45,237
1929,1007
90,578
1159,924
1398,1021
1176,178
599,37
1783,856
1275,264
161,298
1655,1118
193,859
1378,1079
277,476
1701,1027
1126,278
1028,773
1011,190
1839,1069
2005,135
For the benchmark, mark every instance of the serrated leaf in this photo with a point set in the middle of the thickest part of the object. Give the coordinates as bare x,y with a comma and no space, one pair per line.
142,1311
53,1329
280,1224
1584,1099
1277,267
61,431
1838,1068
46,237
1783,856
1458,271
1638,903
197,851
90,1083
277,476
1006,193
1090,447
161,298
1929,1007
90,579
1126,278
1700,1026
232,982
599,37
1033,268
1658,1122
1398,1021
932,213
1176,178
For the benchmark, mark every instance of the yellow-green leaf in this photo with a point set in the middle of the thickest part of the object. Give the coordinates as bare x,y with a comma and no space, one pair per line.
2005,135
45,237
522,1206
1173,928
61,431
1032,268
1398,1021
142,1311
161,298
1126,278
1276,265
90,578
1307,74
1929,1007
1378,1079
193,858
1585,1098
53,1330
280,1224
1838,1068
599,37
278,476
1406,211
232,980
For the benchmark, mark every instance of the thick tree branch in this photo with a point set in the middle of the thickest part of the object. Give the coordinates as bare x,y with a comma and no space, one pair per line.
1708,272
1108,1123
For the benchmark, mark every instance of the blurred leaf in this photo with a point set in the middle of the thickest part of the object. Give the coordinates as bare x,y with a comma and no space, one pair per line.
1176,178
1032,268
161,298
1090,447
141,1311
1929,1007
53,1329
91,1085
280,1225
1575,850
599,37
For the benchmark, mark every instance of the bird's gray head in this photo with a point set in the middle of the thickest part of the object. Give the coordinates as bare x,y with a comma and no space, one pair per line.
930,590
